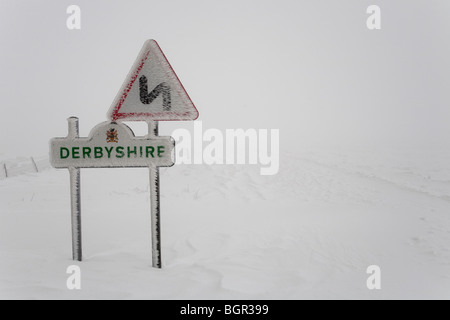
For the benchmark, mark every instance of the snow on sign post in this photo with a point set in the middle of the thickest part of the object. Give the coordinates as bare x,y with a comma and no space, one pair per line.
151,92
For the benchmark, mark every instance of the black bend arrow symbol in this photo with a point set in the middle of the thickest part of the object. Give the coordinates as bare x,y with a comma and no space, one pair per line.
162,88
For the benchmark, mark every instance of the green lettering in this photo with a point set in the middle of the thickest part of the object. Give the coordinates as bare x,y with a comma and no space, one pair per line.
76,153
149,151
98,152
131,152
86,152
64,153
160,150
109,151
120,153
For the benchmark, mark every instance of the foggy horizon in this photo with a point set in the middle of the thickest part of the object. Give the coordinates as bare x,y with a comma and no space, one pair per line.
312,70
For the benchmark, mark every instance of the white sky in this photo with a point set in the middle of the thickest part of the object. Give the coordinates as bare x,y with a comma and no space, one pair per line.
310,68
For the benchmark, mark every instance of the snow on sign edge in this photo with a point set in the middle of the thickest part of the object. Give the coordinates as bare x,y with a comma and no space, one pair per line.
151,50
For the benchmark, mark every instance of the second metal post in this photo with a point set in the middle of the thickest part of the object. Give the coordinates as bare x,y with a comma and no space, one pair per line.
155,204
75,197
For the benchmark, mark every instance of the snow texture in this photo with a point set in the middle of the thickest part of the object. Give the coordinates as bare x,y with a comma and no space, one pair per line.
228,233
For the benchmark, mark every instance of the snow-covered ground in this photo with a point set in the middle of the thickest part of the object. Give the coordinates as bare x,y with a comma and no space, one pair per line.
229,233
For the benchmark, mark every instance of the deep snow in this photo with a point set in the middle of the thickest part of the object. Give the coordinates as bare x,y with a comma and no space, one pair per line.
229,233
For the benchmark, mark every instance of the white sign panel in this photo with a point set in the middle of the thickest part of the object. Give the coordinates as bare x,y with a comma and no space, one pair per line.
152,91
112,145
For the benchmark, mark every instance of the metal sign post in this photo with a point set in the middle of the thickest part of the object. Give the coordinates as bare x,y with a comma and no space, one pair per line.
155,203
75,196
4,170
34,164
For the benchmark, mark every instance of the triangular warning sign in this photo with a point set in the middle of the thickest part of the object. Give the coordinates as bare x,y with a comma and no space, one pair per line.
152,91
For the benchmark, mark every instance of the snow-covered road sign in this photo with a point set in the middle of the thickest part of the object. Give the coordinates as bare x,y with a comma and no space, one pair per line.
152,91
112,145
